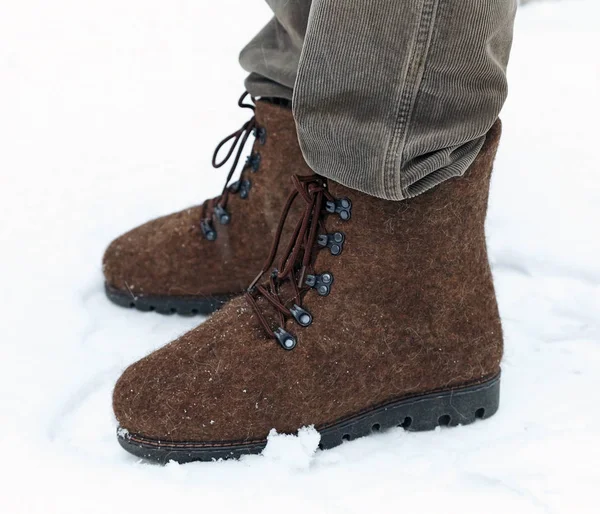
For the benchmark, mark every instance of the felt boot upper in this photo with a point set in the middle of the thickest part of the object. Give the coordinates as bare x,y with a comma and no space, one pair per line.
170,255
412,310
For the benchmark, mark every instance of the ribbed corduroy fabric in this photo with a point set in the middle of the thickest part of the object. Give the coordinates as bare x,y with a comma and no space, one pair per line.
390,97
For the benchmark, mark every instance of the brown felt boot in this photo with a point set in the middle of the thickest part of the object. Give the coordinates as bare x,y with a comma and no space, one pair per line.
387,312
194,260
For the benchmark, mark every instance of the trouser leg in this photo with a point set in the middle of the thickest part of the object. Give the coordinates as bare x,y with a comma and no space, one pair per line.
390,97
272,57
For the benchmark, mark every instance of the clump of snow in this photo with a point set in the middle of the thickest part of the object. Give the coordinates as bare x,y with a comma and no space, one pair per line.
122,432
294,451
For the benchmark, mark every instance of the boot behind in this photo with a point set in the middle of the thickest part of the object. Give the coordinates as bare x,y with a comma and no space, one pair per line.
403,331
169,265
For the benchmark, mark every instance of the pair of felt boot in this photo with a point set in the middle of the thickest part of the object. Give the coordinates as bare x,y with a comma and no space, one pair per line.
339,310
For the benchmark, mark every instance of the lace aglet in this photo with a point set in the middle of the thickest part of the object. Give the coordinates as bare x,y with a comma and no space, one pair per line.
302,276
255,281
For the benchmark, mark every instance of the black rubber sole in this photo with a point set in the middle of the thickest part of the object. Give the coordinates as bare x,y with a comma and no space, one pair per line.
185,305
426,412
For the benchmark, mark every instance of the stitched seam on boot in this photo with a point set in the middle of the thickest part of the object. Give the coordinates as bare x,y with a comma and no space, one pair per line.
416,66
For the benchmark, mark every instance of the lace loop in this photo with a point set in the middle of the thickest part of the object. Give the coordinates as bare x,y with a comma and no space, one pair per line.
237,142
295,265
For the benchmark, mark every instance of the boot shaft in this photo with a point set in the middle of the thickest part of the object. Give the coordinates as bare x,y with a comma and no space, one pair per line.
416,274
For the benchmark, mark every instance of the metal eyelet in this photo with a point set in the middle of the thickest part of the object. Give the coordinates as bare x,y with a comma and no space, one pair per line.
322,283
260,133
285,339
302,316
253,161
335,242
341,206
208,231
242,187
222,215
245,189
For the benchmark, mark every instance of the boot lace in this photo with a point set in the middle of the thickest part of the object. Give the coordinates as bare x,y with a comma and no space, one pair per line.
216,208
296,265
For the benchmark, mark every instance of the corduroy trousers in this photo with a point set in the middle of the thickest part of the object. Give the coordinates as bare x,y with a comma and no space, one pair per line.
390,97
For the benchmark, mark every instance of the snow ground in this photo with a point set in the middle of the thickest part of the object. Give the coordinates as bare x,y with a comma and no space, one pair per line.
109,112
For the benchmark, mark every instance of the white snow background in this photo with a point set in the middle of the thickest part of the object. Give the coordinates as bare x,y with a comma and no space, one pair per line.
109,112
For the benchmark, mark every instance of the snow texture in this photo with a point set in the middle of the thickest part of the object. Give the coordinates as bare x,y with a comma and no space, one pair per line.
109,112
293,451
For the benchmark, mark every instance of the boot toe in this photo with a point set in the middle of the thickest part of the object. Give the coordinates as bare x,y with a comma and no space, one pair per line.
116,263
203,386
157,258
146,400
135,405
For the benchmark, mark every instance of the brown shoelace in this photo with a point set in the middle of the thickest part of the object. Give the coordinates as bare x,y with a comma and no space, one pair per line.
296,264
217,207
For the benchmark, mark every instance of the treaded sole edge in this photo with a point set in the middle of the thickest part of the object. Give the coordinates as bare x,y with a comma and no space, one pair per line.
184,305
460,406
